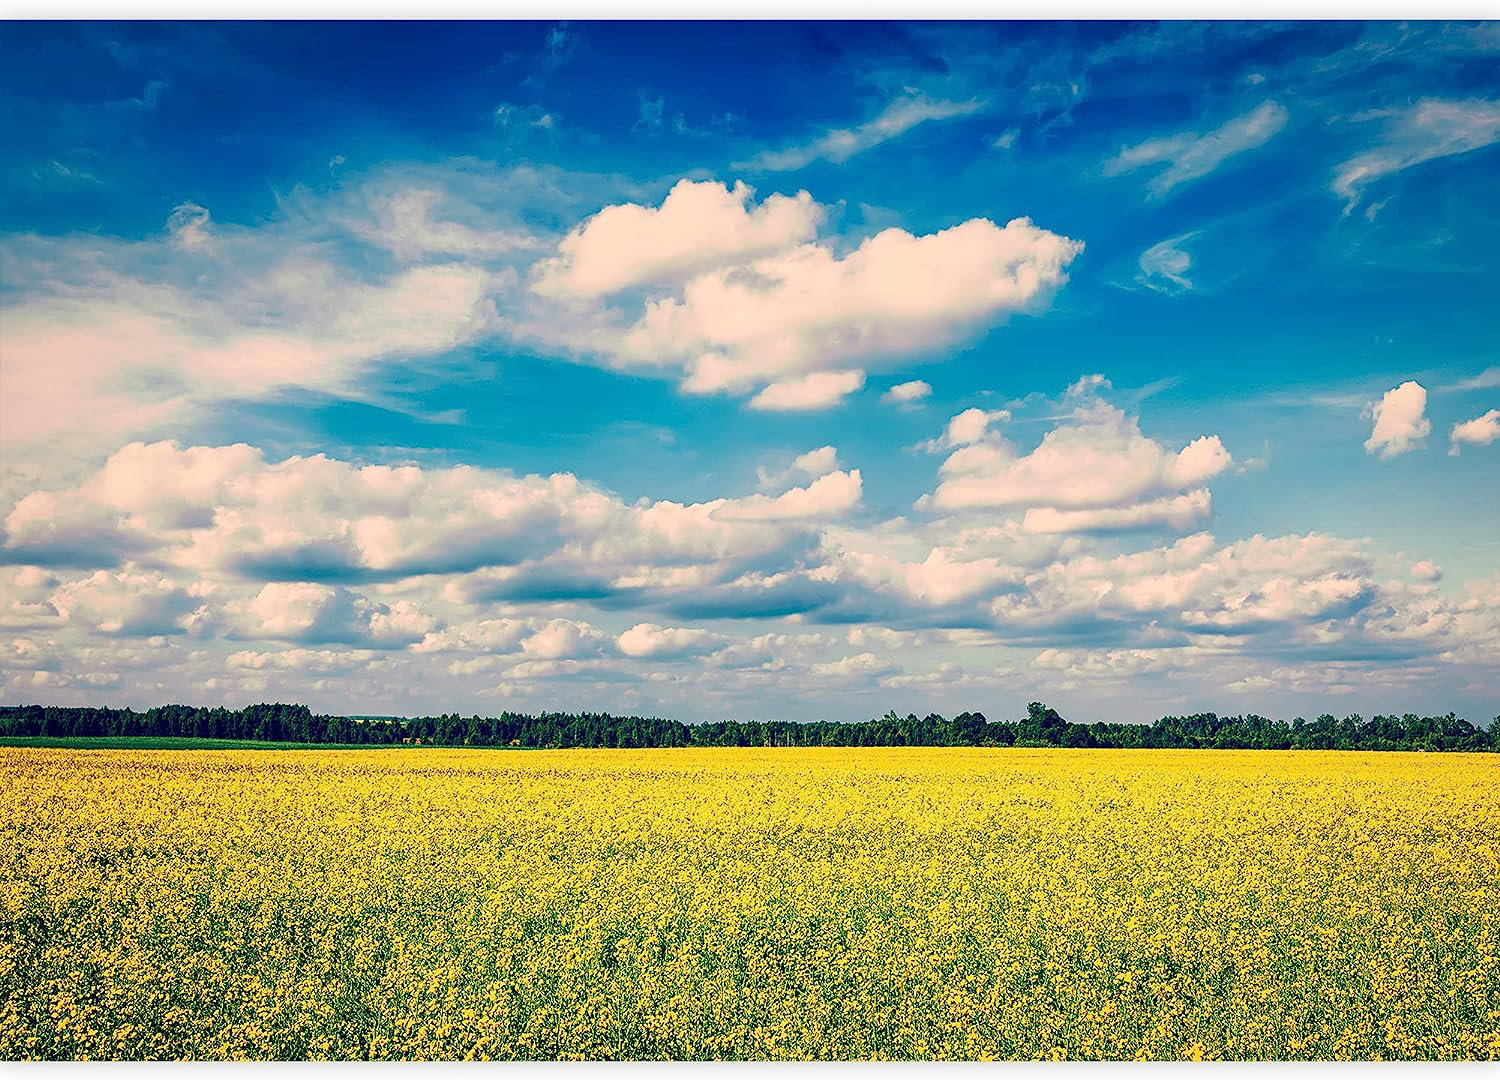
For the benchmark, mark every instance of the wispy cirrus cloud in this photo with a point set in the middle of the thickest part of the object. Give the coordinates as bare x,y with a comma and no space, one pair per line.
1191,155
1429,130
840,144
1164,266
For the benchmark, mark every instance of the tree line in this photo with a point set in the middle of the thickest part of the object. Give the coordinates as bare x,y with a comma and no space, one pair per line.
1041,726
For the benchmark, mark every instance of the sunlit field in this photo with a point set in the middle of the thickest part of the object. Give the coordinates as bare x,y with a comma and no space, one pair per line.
840,903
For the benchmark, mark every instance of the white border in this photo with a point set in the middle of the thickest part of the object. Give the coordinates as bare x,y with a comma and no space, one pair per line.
585,10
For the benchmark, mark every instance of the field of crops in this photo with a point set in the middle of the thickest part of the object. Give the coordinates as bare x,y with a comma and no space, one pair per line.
840,903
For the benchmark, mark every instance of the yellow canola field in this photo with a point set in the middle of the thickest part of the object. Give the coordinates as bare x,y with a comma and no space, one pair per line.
822,903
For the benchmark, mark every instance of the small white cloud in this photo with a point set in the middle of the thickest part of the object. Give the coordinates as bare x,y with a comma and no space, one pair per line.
1480,431
564,639
907,393
664,642
1165,265
1400,421
1005,140
816,390
813,464
1191,155
1426,570
817,462
840,144
970,426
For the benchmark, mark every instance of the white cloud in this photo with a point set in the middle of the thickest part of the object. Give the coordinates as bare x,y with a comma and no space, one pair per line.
817,462
830,495
131,602
563,639
699,226
838,145
1191,155
1426,570
1283,584
1427,130
1095,470
1480,431
1180,512
970,426
907,393
1164,266
406,222
648,640
807,393
812,464
323,661
1400,421
314,614
109,338
807,310
112,355
227,511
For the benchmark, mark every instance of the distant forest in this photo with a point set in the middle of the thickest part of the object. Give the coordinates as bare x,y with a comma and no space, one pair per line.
1041,726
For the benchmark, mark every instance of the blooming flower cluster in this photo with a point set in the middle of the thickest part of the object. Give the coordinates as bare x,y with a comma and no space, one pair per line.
748,903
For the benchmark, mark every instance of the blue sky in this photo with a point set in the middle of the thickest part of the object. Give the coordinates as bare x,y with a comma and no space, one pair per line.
755,370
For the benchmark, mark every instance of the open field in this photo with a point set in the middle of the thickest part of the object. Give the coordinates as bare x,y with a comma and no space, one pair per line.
844,903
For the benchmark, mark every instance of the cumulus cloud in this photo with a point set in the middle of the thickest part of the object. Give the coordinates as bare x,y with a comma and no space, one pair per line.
1428,130
227,511
839,144
1426,570
1401,424
907,393
970,426
808,393
830,495
1094,471
1480,431
309,613
131,602
1191,155
648,640
698,226
812,464
563,639
781,318
423,588
1196,587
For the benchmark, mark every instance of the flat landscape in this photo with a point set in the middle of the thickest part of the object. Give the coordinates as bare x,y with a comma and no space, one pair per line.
748,903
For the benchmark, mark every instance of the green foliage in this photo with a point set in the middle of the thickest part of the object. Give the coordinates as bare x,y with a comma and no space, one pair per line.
1042,726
